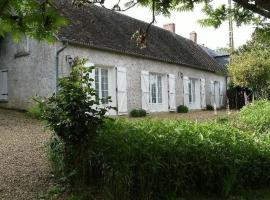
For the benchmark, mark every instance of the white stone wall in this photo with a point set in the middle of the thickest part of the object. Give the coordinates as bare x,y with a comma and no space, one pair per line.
134,67
35,74
29,75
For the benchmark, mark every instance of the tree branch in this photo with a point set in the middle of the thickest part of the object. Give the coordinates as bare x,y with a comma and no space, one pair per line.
153,18
254,8
5,3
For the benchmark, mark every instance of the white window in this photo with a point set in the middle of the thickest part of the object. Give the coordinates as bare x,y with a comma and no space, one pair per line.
102,84
192,90
155,81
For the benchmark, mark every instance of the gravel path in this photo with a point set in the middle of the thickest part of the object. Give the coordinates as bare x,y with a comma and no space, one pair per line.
24,169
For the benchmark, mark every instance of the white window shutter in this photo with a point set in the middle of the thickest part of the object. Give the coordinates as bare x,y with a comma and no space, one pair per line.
3,84
122,90
145,90
203,100
212,92
172,100
186,90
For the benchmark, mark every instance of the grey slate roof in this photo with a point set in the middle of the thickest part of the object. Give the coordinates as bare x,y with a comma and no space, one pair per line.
100,28
222,58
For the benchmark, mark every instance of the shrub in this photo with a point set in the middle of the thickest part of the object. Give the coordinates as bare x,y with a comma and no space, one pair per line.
209,107
182,109
138,113
74,114
37,110
256,116
153,159
55,153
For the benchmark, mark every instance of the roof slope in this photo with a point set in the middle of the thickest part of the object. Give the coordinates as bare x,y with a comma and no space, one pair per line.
222,58
101,28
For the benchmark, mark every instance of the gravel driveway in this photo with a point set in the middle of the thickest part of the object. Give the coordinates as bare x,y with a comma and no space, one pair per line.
24,169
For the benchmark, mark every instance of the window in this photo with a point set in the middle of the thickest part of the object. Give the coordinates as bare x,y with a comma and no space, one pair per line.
155,88
23,47
192,90
102,84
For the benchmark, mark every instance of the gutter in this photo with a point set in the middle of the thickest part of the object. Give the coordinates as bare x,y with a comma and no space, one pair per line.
57,65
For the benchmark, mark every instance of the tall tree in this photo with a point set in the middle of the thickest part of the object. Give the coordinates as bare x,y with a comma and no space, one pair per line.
250,65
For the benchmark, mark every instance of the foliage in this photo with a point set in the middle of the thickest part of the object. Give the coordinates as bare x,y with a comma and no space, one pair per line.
42,20
209,107
74,114
182,109
237,13
55,154
256,116
250,65
236,96
169,159
37,110
251,69
138,113
242,12
38,19
153,159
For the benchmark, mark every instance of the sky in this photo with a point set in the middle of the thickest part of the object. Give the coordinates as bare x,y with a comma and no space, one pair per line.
187,22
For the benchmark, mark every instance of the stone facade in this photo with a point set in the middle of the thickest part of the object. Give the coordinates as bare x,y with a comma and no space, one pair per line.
35,74
29,74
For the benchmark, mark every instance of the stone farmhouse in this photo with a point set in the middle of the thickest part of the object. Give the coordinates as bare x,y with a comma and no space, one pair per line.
170,71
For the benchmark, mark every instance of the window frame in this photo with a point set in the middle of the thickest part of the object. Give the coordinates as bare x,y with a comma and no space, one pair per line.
157,80
192,90
100,92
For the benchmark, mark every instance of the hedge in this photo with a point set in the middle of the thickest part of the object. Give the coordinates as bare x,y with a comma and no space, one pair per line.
256,116
153,159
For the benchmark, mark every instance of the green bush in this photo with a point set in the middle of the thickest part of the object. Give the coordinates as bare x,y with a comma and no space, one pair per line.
55,154
37,110
182,109
209,107
256,116
74,115
138,113
153,159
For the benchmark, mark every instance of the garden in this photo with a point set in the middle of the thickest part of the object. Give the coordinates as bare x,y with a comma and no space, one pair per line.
97,157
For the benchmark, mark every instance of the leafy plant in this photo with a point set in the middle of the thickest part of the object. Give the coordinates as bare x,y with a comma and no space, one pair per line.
209,107
182,109
37,110
74,114
256,116
165,159
138,113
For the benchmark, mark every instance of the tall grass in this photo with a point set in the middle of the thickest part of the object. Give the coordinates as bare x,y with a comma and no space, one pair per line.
169,159
154,159
256,116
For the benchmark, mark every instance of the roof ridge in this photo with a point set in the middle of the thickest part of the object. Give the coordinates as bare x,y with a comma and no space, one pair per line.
139,20
114,30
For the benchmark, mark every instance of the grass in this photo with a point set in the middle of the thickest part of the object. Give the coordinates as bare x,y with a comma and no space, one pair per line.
200,116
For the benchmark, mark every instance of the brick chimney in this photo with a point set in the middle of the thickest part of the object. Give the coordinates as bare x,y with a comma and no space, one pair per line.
193,36
169,27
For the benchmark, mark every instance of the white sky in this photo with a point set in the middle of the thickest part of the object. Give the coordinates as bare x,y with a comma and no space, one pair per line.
186,22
